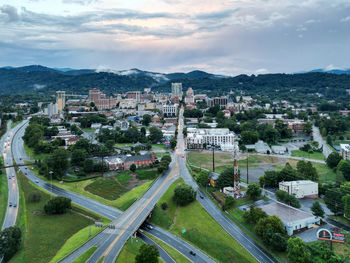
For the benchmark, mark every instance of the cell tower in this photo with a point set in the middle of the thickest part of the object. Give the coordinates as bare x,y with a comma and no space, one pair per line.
236,185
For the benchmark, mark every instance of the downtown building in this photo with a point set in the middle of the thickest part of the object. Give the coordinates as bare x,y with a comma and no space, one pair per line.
201,138
170,110
176,90
221,101
100,99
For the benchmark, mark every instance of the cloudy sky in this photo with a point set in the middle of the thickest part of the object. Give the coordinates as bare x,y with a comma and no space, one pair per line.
224,37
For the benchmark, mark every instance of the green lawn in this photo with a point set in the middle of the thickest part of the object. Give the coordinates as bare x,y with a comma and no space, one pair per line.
14,124
43,235
325,173
30,153
314,155
159,147
130,250
3,194
85,256
146,174
200,229
176,255
89,130
160,155
123,202
107,188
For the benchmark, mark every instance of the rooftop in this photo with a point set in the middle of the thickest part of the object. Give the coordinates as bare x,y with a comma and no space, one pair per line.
285,213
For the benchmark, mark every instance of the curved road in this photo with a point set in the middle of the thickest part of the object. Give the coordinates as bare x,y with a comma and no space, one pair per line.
104,210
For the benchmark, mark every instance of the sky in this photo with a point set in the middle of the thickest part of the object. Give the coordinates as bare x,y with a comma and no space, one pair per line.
223,37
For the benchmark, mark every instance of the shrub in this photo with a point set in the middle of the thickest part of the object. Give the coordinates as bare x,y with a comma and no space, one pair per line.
133,167
164,206
184,194
58,205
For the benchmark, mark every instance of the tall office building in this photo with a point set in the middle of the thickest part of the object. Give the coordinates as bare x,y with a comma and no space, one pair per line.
100,99
176,90
60,100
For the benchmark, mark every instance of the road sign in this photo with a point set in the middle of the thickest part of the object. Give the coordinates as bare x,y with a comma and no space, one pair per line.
325,234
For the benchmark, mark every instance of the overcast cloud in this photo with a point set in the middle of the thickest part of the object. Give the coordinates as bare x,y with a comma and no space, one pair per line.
223,37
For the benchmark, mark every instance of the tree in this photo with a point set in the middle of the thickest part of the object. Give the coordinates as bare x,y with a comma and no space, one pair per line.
344,167
333,159
146,119
184,194
147,254
173,143
269,223
203,178
276,241
88,165
254,191
253,215
78,157
333,199
317,210
307,171
287,198
226,178
10,242
166,158
57,205
132,135
346,200
229,203
329,140
133,167
58,163
249,137
297,251
155,134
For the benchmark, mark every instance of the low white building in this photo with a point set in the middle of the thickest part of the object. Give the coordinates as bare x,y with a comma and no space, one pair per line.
300,189
199,138
278,149
345,151
259,147
292,218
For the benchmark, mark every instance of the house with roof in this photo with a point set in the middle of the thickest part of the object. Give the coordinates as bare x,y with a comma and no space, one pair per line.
144,160
259,147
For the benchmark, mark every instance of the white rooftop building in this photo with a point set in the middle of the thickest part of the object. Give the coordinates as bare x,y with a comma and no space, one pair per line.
345,151
199,138
300,189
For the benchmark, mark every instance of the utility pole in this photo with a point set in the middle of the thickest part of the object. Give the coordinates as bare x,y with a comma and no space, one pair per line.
247,169
213,146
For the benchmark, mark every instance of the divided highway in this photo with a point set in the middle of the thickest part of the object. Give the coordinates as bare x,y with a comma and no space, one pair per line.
104,210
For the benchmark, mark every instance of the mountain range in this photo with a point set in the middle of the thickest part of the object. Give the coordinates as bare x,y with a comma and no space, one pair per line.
306,86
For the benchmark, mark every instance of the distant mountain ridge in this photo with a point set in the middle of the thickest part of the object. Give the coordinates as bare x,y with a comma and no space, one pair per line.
159,77
333,71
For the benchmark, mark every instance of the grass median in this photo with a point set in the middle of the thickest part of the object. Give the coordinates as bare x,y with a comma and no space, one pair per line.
314,155
176,255
43,235
3,194
195,225
85,256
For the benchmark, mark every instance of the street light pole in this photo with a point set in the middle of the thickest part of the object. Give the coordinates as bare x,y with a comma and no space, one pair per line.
51,172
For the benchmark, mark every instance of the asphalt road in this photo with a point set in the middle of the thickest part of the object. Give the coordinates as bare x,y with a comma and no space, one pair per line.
318,138
248,243
104,210
13,196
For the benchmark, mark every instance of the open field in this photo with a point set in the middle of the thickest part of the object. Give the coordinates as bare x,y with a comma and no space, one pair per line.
225,160
43,234
177,256
314,155
107,188
3,194
123,202
199,228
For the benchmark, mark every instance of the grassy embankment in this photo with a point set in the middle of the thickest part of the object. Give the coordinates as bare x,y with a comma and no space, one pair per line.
314,155
130,250
85,256
176,255
120,191
3,193
44,235
199,228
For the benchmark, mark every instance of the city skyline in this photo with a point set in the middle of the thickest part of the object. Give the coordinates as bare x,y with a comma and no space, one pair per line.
228,37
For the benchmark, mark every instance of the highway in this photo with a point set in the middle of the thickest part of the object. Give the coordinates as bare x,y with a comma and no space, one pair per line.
13,196
248,243
104,210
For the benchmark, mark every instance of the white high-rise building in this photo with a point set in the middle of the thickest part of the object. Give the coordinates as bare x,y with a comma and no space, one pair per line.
199,138
176,90
52,109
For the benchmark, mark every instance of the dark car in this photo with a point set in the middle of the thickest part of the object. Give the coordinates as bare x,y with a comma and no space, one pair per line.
201,196
10,204
192,253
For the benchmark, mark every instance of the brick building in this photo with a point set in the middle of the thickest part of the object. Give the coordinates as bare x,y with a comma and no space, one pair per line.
139,160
